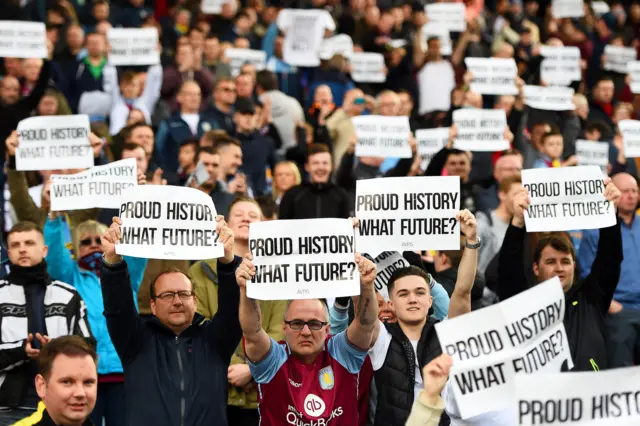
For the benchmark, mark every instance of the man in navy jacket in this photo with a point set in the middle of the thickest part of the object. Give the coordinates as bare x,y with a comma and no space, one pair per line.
176,362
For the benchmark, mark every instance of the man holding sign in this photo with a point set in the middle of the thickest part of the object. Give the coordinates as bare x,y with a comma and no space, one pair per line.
587,301
175,363
312,378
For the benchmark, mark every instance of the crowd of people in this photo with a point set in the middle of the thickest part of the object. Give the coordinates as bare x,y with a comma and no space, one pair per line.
90,337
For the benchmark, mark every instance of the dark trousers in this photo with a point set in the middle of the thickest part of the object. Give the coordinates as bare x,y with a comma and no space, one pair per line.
237,416
623,337
110,405
9,417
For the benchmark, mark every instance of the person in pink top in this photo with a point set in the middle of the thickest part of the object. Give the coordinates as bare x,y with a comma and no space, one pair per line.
312,378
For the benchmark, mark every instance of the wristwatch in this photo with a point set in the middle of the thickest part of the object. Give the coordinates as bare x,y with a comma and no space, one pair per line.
468,245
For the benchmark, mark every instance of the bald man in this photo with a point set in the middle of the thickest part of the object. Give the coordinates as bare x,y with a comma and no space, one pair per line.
623,320
187,123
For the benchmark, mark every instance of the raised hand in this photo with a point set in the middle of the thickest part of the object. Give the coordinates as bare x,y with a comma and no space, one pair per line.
468,225
611,192
367,270
435,376
226,238
246,271
12,143
520,204
109,239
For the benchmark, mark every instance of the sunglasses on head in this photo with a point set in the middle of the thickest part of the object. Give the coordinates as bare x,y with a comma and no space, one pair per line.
87,241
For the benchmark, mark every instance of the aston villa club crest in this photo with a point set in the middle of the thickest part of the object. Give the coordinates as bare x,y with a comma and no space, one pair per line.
325,376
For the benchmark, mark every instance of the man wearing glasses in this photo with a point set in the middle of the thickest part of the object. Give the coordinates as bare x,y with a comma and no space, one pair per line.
311,378
175,363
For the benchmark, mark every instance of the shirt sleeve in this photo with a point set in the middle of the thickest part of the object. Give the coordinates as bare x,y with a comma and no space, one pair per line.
345,353
265,370
440,301
379,350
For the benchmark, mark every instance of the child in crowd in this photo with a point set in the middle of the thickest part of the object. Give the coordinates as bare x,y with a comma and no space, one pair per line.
551,147
131,92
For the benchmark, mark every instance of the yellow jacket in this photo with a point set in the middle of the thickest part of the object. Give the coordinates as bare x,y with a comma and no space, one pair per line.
205,283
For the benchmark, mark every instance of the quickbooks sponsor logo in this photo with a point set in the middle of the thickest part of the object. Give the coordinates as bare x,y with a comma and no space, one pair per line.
295,418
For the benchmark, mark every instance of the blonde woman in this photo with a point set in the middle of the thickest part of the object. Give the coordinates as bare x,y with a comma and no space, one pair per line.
285,177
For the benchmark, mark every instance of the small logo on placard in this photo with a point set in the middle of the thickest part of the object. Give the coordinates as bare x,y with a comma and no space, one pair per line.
314,405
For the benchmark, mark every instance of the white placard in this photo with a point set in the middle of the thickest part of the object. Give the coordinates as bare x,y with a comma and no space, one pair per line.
386,263
490,347
381,136
600,8
239,57
593,398
592,153
407,213
617,58
367,67
340,44
430,141
630,130
99,187
480,129
633,68
133,46
549,98
168,222
212,7
442,33
303,259
493,76
561,65
450,15
566,198
23,39
54,143
567,9
303,38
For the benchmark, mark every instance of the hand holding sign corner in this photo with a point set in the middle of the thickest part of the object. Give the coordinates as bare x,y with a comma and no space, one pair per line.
367,270
226,238
246,271
611,192
109,239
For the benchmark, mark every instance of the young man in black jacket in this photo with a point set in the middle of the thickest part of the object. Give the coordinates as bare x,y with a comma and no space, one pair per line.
175,363
33,309
587,302
319,198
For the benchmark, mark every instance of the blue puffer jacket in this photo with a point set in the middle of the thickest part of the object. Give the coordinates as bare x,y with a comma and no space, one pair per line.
62,267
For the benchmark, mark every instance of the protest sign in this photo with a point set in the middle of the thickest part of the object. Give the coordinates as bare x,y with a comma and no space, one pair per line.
594,398
22,39
480,129
493,76
440,32
133,46
591,153
303,38
168,222
54,143
381,136
561,65
367,67
633,68
239,57
600,8
617,58
340,44
449,15
407,213
303,259
630,130
386,263
200,175
98,187
489,347
567,9
549,98
212,7
430,141
566,198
